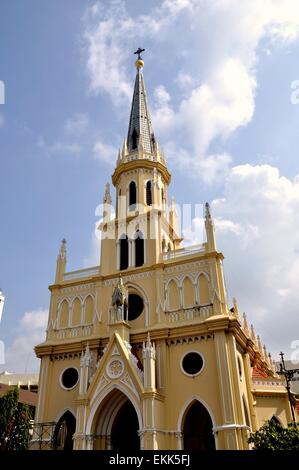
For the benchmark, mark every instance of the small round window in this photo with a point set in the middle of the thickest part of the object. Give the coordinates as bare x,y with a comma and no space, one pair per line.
135,306
192,363
69,378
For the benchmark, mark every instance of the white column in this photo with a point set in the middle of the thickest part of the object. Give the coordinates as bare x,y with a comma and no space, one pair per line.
144,250
131,251
181,296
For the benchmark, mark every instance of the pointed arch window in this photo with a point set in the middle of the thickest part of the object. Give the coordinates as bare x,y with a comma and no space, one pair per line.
139,249
132,195
64,431
124,253
149,193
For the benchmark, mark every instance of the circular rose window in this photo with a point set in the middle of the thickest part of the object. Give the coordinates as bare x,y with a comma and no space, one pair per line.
192,363
69,378
135,306
115,368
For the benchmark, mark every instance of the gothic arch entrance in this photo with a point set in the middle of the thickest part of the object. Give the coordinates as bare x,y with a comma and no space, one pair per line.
197,428
117,424
64,431
124,432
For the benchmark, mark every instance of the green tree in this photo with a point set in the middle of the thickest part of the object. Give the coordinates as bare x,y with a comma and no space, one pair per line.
272,436
14,422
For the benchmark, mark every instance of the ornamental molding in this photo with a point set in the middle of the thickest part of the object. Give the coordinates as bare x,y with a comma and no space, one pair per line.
189,339
102,384
187,267
131,277
127,381
78,288
66,356
266,383
115,368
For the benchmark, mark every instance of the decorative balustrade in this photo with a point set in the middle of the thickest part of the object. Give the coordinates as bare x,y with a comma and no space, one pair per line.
72,332
81,273
187,314
190,250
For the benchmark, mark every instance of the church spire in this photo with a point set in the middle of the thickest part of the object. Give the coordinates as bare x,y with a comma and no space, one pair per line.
140,133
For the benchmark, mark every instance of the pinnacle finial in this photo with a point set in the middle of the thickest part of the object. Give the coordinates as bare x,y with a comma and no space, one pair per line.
265,353
124,151
139,62
253,337
260,345
245,324
235,309
107,195
62,251
207,211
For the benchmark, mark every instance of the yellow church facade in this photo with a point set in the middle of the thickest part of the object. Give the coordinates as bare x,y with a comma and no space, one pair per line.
143,351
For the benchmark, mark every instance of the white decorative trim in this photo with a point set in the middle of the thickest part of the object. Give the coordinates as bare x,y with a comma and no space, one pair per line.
130,277
115,351
103,382
230,427
83,287
127,381
115,368
188,267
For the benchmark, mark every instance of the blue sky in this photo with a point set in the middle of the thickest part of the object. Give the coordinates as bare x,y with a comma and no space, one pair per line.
218,77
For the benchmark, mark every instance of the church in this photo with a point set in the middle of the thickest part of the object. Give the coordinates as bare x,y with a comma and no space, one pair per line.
143,351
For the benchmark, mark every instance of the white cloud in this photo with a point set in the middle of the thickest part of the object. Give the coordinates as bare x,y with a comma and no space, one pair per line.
77,124
105,152
19,355
163,115
59,147
185,81
220,106
210,168
218,83
93,258
110,33
257,229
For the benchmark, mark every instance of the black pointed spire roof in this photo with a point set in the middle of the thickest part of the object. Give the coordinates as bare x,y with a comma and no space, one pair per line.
140,125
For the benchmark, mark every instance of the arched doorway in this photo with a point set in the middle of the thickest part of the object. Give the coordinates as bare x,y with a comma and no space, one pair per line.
64,431
124,432
116,423
197,428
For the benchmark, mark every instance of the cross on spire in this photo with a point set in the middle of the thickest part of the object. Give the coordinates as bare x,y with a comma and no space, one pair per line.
139,50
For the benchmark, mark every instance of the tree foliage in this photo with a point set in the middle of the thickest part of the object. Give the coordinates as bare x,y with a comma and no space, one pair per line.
272,436
14,422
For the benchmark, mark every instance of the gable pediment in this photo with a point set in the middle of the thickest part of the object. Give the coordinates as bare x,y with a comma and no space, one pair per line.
116,366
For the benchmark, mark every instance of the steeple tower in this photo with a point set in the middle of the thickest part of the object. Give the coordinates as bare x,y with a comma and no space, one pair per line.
140,132
142,229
